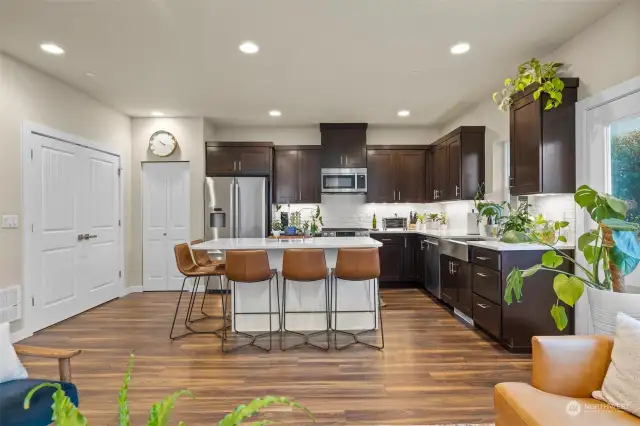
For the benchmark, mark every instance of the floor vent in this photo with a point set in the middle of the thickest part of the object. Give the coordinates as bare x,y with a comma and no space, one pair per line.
10,309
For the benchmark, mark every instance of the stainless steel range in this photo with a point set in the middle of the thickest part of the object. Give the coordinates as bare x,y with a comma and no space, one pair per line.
345,232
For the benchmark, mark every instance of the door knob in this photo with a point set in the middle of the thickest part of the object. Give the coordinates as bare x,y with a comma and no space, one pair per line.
164,233
87,236
80,237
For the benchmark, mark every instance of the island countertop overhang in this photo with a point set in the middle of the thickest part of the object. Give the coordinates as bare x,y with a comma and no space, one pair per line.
273,244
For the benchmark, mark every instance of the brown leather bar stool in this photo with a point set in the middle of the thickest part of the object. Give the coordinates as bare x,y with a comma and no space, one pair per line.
304,265
250,267
203,259
357,265
190,269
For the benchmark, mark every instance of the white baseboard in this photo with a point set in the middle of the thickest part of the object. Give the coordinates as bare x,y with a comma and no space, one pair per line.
20,335
132,289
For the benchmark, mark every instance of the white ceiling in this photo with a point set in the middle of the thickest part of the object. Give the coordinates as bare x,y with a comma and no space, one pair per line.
319,60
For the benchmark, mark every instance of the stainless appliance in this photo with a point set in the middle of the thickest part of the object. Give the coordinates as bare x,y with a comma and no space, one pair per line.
394,223
344,180
345,232
236,207
431,253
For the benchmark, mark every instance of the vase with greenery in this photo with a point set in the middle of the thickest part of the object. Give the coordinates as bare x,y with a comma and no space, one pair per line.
67,414
611,251
276,228
518,219
548,231
432,218
533,72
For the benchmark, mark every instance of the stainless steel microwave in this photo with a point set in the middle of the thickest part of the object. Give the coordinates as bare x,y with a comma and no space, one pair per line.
344,181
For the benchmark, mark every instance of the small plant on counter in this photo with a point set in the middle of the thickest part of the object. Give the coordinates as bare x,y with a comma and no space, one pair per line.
67,414
548,231
276,225
492,211
532,72
433,217
518,220
420,217
611,251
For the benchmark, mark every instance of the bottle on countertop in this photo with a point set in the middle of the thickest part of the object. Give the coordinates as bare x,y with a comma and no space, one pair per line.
374,222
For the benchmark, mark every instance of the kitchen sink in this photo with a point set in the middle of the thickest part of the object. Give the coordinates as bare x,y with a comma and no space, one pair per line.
457,247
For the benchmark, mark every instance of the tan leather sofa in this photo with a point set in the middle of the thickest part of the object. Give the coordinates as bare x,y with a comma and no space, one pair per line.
566,369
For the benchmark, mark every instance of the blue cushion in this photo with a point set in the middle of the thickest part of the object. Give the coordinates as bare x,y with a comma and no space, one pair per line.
12,394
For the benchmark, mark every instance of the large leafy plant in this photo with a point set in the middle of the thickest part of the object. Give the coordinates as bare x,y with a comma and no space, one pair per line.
611,251
67,414
532,72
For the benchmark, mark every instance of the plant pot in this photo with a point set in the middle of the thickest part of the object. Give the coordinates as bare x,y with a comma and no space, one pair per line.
605,306
443,226
276,233
491,230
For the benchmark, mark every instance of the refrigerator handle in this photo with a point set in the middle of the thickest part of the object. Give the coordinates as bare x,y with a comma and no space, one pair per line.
236,207
232,208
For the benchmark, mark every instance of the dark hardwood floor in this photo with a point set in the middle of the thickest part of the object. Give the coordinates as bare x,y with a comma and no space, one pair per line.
434,369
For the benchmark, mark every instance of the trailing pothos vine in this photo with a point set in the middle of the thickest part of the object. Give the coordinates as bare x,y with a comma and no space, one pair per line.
533,72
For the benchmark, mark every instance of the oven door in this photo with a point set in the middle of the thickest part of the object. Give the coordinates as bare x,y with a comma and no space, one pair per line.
339,180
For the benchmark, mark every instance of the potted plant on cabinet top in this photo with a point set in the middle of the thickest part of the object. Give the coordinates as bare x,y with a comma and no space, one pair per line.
533,72
611,251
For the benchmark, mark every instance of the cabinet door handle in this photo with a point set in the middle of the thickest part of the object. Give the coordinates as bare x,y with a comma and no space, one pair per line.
482,274
457,190
399,195
405,242
346,160
434,194
394,195
483,306
342,160
300,195
234,165
240,165
450,268
387,239
482,258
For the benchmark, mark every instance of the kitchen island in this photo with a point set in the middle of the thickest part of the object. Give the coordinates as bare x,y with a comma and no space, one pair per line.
301,296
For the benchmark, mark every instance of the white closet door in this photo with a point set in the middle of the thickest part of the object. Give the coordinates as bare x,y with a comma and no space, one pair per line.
100,220
57,252
166,207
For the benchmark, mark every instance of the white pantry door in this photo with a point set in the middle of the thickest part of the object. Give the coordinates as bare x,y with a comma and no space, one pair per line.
72,196
165,221
609,159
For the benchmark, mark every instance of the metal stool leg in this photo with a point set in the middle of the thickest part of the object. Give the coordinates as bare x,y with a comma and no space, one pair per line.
356,336
175,315
305,336
253,337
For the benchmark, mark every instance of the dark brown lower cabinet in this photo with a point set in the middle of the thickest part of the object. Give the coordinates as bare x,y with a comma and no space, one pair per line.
455,277
514,325
399,257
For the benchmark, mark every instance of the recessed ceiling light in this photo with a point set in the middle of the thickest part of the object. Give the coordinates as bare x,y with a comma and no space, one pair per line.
249,47
157,113
460,48
275,113
404,113
89,74
54,49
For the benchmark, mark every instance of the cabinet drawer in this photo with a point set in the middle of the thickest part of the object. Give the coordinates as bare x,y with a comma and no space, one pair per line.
487,315
486,283
389,239
487,258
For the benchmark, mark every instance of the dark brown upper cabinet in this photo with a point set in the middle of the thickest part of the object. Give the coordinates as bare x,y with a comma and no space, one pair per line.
396,173
543,143
344,145
239,158
297,174
458,164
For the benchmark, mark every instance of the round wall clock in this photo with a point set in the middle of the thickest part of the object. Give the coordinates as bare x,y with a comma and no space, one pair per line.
162,143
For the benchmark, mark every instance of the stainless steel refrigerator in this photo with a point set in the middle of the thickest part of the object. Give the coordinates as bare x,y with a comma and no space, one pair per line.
236,207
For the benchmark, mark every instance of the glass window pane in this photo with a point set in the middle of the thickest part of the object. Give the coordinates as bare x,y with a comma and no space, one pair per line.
625,164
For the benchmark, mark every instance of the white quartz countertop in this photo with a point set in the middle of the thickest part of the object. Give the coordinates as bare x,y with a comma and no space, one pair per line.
490,243
500,246
273,244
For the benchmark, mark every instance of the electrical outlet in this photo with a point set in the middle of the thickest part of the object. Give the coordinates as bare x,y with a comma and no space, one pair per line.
10,221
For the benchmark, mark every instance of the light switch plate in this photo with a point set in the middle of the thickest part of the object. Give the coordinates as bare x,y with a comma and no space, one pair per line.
10,221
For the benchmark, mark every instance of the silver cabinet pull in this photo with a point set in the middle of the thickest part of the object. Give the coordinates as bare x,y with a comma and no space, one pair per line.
386,239
405,242
483,306
300,195
482,274
457,190
399,195
346,160
482,258
394,195
234,165
240,165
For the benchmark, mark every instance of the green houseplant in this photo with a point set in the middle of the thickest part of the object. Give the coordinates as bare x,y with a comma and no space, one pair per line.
533,72
611,251
67,414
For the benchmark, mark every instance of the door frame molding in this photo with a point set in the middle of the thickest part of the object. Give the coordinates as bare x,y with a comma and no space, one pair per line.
619,91
28,129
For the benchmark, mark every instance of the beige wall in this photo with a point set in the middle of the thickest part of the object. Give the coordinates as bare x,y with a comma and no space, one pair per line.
310,135
603,55
28,94
189,132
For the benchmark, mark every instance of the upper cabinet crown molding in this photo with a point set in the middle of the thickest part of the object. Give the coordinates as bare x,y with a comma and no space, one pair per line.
542,143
